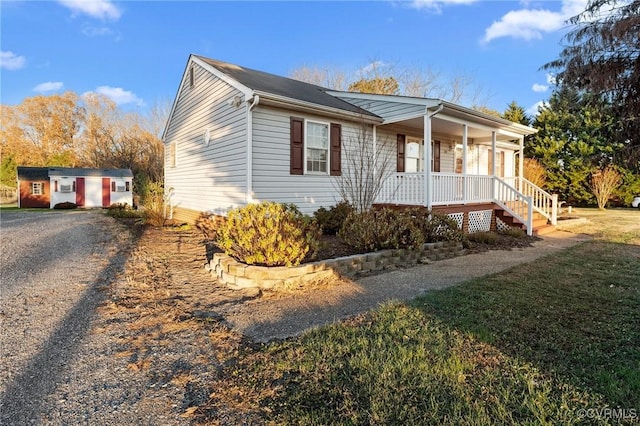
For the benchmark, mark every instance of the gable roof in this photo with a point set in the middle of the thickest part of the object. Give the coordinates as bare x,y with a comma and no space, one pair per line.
39,173
33,173
266,83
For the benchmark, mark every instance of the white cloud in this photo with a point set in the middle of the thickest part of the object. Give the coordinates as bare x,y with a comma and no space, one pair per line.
532,111
49,86
375,65
531,24
101,9
436,5
90,31
539,87
11,61
551,79
119,95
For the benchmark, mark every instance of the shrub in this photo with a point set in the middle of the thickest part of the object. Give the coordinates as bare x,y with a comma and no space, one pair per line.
65,206
408,228
514,232
154,204
489,238
331,221
379,229
122,210
209,224
270,234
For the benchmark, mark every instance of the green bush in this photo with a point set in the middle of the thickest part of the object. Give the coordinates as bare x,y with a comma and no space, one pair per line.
65,206
122,210
514,232
331,221
154,204
489,238
407,228
379,229
269,234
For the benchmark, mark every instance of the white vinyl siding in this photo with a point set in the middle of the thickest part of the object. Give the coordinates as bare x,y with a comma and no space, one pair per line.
272,180
207,178
386,109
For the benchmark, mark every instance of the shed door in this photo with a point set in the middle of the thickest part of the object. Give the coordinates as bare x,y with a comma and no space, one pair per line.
106,192
80,191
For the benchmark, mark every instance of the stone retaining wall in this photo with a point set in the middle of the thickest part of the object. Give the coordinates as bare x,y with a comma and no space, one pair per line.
239,275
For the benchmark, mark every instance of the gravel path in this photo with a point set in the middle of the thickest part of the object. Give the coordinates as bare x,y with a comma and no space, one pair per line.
264,320
56,266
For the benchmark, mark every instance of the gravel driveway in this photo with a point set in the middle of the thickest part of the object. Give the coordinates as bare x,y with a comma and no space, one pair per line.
55,268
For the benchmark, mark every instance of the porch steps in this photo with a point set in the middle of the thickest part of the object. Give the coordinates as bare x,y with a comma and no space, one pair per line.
540,224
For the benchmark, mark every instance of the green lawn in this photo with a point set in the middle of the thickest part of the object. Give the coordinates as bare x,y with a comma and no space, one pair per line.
539,344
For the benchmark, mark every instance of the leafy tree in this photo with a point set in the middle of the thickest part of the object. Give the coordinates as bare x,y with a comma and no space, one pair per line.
42,130
378,85
603,58
487,110
8,171
517,114
573,138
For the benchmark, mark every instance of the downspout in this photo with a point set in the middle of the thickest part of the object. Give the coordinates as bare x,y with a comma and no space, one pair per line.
426,154
249,194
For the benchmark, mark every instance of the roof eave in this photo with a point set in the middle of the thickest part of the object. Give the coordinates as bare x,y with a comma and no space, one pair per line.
267,98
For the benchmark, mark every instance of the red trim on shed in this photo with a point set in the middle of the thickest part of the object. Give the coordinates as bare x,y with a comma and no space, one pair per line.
80,191
106,192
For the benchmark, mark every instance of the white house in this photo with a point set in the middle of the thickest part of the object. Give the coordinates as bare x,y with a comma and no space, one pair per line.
88,188
237,135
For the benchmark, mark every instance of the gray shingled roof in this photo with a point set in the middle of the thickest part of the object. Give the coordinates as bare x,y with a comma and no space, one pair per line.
33,173
36,173
283,86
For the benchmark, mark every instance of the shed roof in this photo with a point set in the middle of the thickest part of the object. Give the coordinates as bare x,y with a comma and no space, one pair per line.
35,173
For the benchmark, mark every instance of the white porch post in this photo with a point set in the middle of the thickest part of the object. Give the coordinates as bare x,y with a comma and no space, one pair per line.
426,151
464,163
375,150
493,163
521,163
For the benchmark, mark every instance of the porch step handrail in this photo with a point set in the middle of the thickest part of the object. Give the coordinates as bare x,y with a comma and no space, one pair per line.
514,202
543,202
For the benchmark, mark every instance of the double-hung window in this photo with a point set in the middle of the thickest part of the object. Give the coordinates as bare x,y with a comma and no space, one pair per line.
317,147
36,188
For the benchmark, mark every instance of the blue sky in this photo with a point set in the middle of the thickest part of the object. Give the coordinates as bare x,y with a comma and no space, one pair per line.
135,52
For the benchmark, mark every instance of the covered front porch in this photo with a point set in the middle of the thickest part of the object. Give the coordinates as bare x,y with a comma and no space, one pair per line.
472,158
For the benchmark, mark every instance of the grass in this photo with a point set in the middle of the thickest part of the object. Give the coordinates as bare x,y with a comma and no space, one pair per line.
538,344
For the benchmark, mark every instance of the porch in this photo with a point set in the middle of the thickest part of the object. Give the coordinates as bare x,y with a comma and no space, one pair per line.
515,201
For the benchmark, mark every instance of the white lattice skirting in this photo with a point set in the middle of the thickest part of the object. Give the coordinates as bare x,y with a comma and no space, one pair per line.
458,217
480,221
501,226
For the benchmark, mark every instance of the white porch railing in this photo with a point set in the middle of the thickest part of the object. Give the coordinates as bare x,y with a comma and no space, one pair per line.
403,188
544,203
513,201
517,196
448,188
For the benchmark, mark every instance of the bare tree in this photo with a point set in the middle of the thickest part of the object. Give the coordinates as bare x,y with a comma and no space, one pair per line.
325,77
603,183
535,172
367,164
389,78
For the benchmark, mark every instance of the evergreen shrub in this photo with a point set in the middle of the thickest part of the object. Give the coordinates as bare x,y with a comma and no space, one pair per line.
269,234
